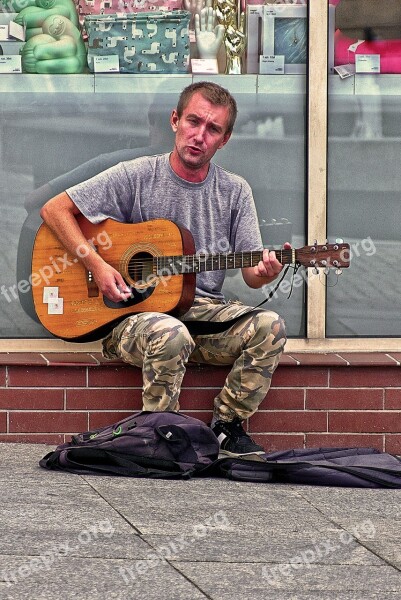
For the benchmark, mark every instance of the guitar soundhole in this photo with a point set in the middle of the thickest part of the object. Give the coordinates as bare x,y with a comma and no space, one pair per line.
141,269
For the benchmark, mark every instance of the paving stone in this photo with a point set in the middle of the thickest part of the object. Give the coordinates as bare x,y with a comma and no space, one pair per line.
66,536
222,582
226,546
94,578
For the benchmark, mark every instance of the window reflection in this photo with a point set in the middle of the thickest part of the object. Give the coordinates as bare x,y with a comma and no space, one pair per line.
50,141
364,147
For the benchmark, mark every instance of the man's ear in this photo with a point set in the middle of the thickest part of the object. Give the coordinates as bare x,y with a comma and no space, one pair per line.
225,140
174,120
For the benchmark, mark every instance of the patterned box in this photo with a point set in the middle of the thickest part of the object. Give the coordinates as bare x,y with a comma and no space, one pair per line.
147,42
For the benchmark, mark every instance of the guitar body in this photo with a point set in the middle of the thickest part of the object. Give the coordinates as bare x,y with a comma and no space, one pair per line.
66,298
157,261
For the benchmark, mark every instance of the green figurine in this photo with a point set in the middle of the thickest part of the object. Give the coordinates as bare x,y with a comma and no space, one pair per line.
59,48
33,16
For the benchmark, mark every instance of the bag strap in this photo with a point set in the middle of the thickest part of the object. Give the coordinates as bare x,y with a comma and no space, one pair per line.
90,460
210,327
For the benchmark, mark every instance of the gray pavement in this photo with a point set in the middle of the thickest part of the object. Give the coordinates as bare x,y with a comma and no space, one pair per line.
65,536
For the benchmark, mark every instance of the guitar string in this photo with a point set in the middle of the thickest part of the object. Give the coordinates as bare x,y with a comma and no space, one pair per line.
209,257
205,262
249,252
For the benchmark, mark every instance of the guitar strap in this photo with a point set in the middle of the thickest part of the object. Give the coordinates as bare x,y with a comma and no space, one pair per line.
211,327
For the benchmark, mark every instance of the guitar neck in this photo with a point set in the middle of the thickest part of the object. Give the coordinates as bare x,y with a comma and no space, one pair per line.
197,263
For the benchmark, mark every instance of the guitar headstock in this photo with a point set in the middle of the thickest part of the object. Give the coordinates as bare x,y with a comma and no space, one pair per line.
326,256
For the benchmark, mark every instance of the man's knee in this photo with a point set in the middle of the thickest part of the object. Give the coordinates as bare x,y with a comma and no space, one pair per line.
270,325
171,337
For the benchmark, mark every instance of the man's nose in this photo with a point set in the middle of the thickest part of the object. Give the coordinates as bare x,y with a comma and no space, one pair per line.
200,132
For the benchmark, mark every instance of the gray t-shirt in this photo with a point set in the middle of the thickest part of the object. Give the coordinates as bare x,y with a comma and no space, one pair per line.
219,212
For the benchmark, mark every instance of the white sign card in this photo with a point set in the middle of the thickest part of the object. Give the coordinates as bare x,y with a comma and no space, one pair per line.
3,33
106,64
367,63
55,306
50,293
10,64
271,65
204,65
17,31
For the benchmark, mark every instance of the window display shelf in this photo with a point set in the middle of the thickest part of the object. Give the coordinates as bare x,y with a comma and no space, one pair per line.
102,83
26,83
366,85
281,84
383,85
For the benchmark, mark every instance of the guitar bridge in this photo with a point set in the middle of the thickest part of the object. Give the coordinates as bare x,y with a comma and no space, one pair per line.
93,290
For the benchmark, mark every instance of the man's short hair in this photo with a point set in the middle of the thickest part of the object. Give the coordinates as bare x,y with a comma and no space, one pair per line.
212,92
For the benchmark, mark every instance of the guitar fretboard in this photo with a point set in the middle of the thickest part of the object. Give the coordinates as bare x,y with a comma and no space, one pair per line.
197,263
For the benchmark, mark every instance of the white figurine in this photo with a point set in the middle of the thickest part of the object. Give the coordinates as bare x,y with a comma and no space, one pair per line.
209,35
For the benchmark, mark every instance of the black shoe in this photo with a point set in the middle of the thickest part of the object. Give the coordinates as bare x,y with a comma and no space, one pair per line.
233,439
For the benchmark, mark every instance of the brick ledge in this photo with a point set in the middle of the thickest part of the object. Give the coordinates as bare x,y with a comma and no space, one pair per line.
304,359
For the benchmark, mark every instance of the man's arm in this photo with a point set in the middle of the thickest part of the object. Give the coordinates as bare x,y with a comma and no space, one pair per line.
59,214
265,271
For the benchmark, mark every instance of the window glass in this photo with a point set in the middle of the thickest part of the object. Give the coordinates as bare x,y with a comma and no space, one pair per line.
269,151
364,146
50,141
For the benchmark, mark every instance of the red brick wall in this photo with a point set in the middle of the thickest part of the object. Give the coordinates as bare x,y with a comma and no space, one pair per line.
315,400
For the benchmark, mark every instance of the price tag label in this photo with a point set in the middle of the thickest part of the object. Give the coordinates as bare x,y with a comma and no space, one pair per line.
270,64
367,63
106,64
204,65
10,64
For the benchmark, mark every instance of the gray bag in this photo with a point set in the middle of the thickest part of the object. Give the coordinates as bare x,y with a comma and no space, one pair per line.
160,444
146,42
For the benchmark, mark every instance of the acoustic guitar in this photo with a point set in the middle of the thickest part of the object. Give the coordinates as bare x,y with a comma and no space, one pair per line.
157,260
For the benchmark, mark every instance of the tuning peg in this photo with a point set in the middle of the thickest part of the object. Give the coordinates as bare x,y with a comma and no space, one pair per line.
326,271
338,271
339,241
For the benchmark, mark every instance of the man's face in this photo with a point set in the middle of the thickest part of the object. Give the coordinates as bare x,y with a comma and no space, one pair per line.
199,133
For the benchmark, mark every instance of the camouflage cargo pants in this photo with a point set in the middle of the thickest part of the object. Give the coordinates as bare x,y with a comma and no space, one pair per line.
161,346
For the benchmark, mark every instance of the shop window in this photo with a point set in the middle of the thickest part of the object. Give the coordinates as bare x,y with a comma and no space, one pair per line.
58,129
364,146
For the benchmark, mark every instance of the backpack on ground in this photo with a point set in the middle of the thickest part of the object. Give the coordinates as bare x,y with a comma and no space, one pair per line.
163,444
167,444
